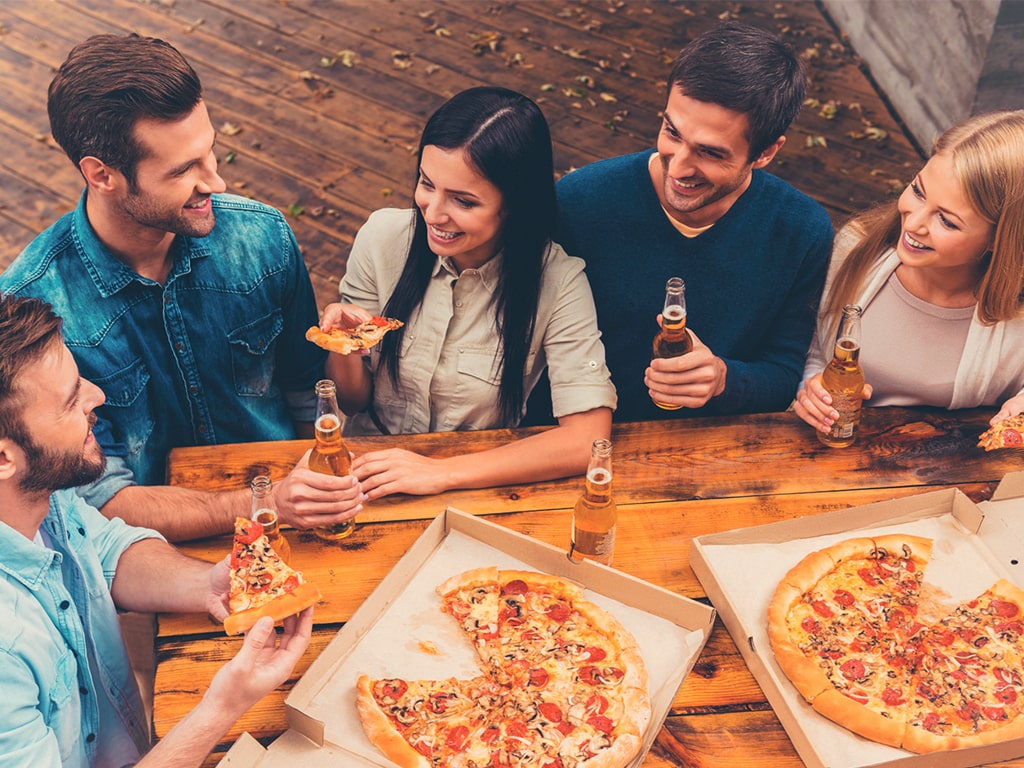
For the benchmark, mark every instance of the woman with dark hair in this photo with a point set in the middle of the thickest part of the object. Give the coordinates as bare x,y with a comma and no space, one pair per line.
488,302
939,274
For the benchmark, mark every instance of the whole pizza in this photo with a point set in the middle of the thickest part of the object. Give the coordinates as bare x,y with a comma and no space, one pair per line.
846,628
563,684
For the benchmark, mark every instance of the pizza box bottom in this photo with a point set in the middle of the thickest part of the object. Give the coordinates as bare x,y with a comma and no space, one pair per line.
963,565
400,631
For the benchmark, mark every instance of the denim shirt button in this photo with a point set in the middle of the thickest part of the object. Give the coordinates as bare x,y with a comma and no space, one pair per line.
179,346
83,690
90,738
202,428
192,389
64,605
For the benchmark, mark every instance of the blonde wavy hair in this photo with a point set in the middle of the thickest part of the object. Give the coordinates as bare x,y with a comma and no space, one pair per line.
988,162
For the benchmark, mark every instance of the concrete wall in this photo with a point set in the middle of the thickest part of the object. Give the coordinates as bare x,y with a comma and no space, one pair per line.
927,56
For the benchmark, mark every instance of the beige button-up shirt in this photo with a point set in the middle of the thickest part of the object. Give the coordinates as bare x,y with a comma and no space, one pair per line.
449,369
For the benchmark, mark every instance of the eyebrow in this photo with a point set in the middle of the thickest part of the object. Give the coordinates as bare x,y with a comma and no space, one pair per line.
946,211
723,151
455,192
192,161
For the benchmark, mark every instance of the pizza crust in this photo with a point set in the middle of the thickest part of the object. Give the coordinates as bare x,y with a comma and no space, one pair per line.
279,608
380,731
858,718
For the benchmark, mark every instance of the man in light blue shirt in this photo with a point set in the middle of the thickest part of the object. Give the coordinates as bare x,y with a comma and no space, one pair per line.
69,697
186,306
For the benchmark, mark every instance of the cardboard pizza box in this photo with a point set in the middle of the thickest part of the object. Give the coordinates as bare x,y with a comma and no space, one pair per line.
962,566
400,631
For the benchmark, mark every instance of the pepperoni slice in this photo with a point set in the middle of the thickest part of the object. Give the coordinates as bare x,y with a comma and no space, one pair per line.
893,697
594,654
550,711
844,598
597,704
1012,437
456,739
248,531
558,612
853,669
601,723
490,733
810,625
394,688
514,587
516,728
822,609
539,677
1004,608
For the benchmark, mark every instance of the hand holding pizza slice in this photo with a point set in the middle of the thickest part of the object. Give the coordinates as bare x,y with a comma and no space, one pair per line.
1004,434
345,341
262,584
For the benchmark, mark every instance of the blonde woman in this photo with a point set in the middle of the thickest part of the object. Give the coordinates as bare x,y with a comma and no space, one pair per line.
939,274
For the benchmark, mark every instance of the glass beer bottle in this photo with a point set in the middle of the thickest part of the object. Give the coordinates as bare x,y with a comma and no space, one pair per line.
265,513
330,454
595,515
673,340
843,379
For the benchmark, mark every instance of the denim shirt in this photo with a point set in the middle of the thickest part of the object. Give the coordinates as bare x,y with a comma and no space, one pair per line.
56,610
216,355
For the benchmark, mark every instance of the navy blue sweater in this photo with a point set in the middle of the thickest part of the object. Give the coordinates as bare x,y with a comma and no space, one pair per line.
753,281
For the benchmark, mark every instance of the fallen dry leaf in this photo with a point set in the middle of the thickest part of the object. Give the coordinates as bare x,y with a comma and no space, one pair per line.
401,59
230,129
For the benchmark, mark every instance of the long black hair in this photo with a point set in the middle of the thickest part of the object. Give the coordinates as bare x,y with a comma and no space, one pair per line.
506,139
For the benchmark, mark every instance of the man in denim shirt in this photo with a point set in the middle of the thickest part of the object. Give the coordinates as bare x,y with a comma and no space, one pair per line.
69,698
195,332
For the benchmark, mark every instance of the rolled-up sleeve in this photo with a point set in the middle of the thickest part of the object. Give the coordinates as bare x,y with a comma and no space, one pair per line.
580,380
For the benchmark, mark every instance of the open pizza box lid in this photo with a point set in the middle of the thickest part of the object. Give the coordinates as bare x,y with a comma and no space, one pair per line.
962,566
400,631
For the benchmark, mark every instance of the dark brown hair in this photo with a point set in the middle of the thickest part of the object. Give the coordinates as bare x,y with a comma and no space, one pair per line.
106,85
747,70
28,330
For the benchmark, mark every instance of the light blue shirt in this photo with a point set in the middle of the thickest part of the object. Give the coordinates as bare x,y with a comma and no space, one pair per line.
56,613
217,354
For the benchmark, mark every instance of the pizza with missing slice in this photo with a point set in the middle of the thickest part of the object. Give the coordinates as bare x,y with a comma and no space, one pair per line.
562,683
1004,434
345,341
262,584
844,626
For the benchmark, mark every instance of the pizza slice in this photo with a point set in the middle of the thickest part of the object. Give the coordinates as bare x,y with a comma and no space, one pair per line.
345,341
262,584
1008,433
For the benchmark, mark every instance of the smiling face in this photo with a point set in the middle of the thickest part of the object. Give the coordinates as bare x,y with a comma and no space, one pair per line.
59,447
462,209
174,181
940,229
703,151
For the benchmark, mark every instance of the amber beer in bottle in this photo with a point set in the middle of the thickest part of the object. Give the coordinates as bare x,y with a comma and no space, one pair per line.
673,340
595,515
264,512
330,454
843,379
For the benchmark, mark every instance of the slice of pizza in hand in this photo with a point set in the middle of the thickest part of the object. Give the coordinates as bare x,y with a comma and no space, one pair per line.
262,584
345,341
1008,433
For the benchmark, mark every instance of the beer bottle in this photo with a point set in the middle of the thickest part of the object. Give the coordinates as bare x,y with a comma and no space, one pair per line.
330,454
265,513
673,340
843,379
594,518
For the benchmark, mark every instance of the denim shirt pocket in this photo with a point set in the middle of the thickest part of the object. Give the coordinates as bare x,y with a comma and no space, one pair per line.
252,354
62,716
124,390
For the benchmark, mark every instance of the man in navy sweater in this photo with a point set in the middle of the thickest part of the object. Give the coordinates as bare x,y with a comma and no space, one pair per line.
752,250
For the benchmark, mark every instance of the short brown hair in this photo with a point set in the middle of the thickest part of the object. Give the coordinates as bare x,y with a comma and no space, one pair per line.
106,85
28,330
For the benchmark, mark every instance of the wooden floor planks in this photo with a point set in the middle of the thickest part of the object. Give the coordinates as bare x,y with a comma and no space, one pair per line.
329,143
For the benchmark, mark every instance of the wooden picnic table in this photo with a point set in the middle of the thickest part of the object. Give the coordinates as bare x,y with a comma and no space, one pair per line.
673,480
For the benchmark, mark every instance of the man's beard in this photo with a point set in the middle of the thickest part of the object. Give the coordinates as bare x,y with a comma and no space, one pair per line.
49,470
140,209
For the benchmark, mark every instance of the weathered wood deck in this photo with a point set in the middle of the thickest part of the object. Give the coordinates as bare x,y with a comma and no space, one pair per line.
320,103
